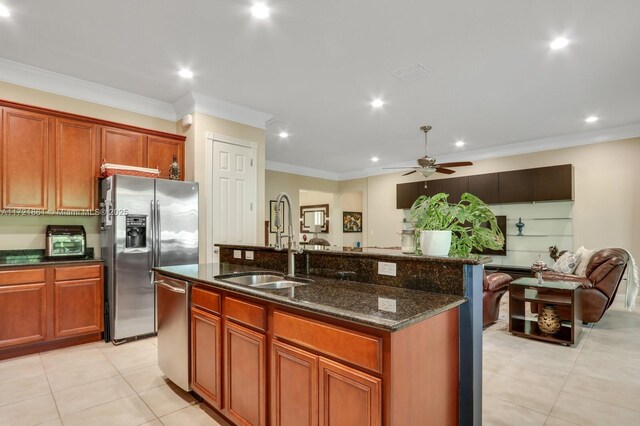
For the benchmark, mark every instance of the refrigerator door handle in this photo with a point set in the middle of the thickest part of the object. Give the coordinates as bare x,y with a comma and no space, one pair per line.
151,256
158,234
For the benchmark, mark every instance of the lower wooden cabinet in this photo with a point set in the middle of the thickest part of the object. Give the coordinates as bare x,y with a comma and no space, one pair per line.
78,307
206,378
308,389
39,313
23,314
348,396
245,375
294,386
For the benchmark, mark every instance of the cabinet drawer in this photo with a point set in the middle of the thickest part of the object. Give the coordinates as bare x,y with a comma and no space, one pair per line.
22,277
245,313
347,345
205,299
66,273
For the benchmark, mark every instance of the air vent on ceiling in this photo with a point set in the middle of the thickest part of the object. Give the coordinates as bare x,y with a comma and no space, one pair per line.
412,73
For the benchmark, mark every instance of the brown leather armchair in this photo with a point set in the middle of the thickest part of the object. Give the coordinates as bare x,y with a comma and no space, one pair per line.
604,272
494,286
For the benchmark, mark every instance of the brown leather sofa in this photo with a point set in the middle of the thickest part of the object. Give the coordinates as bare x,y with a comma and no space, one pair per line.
494,286
604,272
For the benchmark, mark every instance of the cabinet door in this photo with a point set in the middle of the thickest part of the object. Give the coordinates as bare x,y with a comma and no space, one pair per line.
430,187
206,378
25,159
245,375
553,183
78,307
516,186
160,152
122,147
76,165
485,187
455,187
406,195
294,386
23,314
348,396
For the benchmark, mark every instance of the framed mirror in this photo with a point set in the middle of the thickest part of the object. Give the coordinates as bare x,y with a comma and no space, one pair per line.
312,216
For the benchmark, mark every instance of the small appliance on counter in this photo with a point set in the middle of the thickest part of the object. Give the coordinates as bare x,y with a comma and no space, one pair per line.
65,241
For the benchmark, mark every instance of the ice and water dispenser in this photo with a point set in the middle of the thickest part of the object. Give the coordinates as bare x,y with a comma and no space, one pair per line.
136,231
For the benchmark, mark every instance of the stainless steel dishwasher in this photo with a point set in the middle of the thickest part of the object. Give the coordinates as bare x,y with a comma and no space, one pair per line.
172,307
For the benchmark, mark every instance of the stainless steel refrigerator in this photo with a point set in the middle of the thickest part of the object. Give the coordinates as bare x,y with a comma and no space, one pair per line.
145,223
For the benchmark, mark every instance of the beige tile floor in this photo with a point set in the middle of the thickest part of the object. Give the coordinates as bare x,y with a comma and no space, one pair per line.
596,382
526,382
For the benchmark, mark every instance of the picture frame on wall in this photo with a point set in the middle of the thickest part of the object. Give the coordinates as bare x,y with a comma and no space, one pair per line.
272,217
351,221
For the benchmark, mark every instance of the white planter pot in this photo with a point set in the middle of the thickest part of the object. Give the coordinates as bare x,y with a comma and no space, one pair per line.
435,243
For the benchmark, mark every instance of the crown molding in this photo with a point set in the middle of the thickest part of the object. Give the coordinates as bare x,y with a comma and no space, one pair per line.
48,81
52,82
299,170
197,102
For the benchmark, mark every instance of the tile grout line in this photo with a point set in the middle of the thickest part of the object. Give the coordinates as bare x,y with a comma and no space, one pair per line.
50,389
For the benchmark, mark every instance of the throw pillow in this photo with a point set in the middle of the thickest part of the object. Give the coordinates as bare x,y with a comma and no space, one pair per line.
566,263
585,258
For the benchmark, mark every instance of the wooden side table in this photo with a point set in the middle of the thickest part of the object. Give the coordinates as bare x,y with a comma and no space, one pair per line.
557,293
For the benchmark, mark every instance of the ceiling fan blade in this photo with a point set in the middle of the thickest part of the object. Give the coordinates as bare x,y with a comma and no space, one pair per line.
445,171
404,168
455,164
408,173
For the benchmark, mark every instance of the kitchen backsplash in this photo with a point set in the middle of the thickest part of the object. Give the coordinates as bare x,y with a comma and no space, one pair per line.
28,232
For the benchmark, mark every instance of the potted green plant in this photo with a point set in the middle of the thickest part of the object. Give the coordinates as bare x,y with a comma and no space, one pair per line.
455,229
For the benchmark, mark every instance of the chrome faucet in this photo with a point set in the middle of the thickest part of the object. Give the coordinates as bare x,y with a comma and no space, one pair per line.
291,250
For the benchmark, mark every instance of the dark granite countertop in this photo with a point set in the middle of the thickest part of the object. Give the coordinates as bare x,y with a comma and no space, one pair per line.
347,300
35,257
377,252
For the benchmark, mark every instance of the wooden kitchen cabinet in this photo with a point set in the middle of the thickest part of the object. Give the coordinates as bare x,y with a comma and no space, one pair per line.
78,307
50,307
125,147
294,386
23,307
76,165
348,396
206,356
245,375
25,159
160,153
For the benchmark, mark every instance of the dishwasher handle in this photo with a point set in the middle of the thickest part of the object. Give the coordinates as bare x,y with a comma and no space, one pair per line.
170,287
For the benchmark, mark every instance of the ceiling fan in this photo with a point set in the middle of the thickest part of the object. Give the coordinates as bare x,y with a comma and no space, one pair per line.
428,166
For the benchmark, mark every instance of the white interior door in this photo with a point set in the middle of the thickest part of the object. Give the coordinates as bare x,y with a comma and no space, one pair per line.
234,194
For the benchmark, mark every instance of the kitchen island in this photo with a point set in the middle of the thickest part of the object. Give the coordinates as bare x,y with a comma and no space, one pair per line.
325,352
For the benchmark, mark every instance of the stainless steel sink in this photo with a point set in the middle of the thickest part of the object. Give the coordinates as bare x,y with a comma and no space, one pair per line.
278,285
265,281
253,280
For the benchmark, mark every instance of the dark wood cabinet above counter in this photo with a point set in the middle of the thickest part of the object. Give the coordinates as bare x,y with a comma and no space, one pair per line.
50,160
553,183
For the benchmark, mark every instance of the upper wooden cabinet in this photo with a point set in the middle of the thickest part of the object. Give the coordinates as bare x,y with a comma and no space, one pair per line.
76,165
160,153
25,159
123,147
554,183
50,160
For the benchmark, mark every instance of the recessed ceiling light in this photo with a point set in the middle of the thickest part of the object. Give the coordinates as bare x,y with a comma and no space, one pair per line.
377,103
591,119
283,135
4,12
185,73
459,143
559,43
260,11
375,159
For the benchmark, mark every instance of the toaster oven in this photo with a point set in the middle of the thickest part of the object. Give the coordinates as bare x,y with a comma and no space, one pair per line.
65,241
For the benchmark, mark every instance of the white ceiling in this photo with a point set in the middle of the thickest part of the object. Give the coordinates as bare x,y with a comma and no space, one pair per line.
316,65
